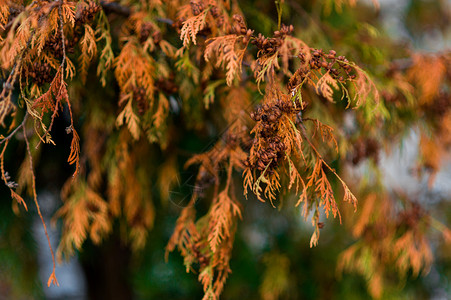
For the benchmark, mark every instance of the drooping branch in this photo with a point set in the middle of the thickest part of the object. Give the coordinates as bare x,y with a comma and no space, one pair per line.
5,96
15,129
52,278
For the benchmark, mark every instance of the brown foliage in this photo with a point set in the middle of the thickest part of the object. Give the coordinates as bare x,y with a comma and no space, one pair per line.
287,144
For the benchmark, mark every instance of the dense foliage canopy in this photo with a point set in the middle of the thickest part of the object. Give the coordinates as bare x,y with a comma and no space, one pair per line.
216,112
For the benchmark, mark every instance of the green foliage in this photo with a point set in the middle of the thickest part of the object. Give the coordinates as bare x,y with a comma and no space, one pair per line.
187,108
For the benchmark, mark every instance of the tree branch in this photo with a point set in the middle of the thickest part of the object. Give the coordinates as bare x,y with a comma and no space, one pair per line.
115,7
16,129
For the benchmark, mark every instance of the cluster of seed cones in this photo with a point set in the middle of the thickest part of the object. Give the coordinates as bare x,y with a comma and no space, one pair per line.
198,7
139,95
273,148
270,45
240,28
167,85
41,73
338,67
54,44
87,14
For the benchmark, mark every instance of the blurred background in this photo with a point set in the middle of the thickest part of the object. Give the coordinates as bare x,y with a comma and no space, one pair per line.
271,256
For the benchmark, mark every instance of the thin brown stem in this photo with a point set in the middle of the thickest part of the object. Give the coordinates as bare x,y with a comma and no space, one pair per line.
52,278
15,129
63,40
229,175
2,164
304,134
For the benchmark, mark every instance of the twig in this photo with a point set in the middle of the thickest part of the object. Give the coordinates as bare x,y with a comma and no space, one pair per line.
61,69
15,130
304,133
165,20
115,8
8,86
63,44
5,95
279,13
52,278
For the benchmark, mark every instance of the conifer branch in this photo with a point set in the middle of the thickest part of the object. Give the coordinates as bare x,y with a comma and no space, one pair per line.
52,278
5,96
10,184
7,138
63,39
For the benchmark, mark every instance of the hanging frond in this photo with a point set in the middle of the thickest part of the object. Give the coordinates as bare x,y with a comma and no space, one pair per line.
191,28
162,111
88,50
364,88
131,119
74,156
106,57
324,86
428,72
134,68
224,49
266,68
85,214
222,214
160,61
